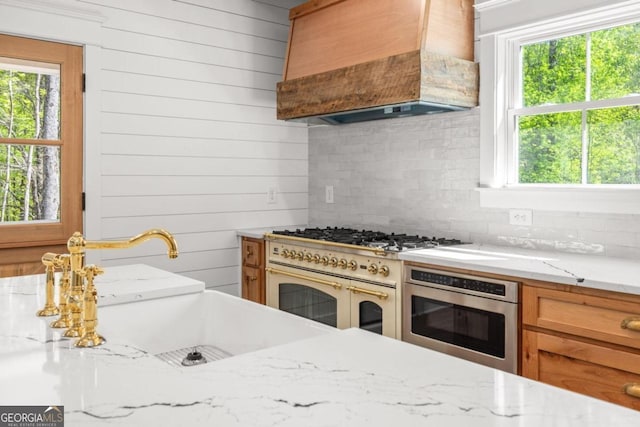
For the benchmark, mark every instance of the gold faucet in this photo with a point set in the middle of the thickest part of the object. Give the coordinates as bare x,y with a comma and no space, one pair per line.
83,299
64,262
50,308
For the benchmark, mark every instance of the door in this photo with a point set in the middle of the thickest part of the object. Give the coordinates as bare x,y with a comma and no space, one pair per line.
41,116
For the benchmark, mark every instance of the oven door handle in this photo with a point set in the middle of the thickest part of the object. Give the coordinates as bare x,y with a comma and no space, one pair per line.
356,290
335,285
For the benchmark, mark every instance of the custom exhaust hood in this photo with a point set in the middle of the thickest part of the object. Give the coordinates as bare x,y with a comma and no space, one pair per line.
355,60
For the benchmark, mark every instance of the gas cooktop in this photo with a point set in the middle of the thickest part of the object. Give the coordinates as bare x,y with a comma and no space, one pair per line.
374,239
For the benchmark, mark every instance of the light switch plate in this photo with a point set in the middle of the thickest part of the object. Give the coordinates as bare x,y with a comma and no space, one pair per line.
272,195
328,194
520,217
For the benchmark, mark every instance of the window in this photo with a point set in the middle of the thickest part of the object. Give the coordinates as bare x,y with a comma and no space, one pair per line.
40,150
559,107
577,113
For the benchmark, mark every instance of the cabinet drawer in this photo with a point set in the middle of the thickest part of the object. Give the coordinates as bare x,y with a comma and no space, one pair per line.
588,316
252,252
581,367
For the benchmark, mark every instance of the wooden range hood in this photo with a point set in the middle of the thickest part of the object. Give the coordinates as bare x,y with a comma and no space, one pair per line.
354,60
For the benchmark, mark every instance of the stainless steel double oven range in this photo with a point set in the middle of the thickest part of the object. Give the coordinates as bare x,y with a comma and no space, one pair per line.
354,278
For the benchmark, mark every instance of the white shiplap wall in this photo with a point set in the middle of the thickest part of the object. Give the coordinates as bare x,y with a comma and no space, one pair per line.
188,139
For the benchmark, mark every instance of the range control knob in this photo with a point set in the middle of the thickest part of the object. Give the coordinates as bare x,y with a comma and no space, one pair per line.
384,270
373,269
308,257
285,253
342,263
292,254
300,256
316,259
325,260
353,265
333,261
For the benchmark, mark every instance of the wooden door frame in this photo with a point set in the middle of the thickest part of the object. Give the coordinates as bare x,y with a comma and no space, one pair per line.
22,245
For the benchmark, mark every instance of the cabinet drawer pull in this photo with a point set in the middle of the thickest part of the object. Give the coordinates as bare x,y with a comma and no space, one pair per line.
252,278
334,285
357,290
632,323
632,389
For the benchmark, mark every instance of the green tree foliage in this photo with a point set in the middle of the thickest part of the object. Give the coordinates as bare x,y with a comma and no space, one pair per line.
556,72
22,99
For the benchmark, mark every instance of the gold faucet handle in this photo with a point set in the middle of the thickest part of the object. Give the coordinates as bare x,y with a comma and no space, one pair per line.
49,259
50,308
91,271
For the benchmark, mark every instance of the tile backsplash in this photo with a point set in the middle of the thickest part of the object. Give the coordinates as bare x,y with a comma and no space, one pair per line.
419,175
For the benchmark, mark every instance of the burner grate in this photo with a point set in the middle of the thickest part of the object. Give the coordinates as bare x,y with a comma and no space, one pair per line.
388,242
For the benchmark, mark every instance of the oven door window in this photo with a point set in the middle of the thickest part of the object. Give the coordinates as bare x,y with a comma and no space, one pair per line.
466,327
370,317
308,302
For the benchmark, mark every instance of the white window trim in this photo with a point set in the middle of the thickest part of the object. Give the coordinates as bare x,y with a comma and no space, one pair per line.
499,56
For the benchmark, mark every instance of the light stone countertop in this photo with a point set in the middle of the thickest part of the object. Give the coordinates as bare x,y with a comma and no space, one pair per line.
589,271
348,378
138,282
258,233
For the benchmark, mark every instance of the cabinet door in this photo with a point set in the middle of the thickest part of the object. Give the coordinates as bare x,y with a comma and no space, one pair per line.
252,252
253,284
581,367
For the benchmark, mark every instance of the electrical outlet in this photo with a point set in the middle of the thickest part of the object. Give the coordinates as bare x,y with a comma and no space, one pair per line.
520,217
328,194
272,195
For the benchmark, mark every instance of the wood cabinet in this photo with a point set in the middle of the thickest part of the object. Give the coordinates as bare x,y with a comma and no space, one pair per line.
586,341
253,279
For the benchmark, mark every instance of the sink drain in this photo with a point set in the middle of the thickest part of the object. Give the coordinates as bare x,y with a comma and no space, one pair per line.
193,356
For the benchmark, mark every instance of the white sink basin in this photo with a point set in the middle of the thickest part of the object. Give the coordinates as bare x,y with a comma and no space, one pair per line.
207,318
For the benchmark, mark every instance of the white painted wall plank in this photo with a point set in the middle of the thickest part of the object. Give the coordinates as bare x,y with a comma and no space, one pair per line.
199,166
125,103
172,87
121,185
148,65
242,23
205,147
186,51
172,28
117,228
114,207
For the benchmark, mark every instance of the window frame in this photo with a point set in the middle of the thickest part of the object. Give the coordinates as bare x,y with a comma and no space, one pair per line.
70,57
500,73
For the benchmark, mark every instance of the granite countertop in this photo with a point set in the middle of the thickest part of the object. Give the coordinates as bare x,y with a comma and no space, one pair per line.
589,271
350,377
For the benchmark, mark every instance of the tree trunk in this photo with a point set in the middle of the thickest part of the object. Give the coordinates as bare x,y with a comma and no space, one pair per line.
29,160
51,161
5,190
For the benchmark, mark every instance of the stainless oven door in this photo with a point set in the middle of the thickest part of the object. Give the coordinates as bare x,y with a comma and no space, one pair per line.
313,296
474,328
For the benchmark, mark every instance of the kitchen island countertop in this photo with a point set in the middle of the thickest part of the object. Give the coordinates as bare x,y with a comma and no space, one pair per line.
349,378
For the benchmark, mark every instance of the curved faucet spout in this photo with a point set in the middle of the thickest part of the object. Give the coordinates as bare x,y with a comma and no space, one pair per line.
135,240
